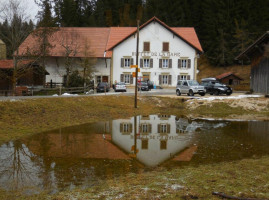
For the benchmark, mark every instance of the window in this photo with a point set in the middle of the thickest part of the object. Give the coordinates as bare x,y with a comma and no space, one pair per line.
146,63
184,63
145,128
127,78
146,46
165,63
165,46
127,62
98,79
165,80
125,127
163,128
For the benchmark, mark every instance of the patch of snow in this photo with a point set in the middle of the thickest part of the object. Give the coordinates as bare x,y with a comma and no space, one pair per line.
229,97
176,187
68,94
12,100
55,95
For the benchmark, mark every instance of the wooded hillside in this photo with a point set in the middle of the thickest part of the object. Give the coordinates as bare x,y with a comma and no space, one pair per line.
224,27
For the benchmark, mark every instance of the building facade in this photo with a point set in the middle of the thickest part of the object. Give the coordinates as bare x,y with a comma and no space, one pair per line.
165,55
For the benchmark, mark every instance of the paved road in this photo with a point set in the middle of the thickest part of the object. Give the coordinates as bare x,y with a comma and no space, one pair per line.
130,92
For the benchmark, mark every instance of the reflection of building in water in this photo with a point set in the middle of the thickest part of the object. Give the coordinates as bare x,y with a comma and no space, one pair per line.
184,125
157,137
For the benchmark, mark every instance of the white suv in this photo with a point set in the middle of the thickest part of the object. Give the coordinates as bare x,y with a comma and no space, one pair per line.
189,87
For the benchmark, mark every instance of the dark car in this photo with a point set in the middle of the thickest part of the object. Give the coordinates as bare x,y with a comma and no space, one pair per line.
213,86
143,86
102,87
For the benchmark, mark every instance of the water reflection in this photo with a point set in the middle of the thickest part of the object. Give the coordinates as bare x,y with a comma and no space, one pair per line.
83,155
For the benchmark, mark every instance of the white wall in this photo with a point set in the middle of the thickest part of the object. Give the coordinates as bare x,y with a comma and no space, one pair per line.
156,34
56,68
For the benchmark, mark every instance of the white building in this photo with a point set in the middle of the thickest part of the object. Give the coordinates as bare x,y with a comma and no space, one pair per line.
166,54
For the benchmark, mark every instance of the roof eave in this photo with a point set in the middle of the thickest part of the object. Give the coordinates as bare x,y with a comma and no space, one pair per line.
163,24
250,48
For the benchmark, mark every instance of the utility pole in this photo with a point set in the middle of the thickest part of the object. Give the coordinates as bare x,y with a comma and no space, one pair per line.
136,69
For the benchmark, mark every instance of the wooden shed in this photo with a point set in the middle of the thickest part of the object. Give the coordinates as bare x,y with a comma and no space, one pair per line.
229,78
258,54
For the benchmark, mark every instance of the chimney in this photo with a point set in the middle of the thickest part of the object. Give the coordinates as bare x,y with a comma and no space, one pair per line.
3,50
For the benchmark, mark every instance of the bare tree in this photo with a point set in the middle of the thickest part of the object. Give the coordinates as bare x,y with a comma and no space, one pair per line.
70,46
87,62
14,12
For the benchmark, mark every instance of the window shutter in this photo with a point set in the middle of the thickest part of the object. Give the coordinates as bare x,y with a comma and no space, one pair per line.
160,79
165,46
188,77
131,128
189,63
141,63
170,80
131,79
121,127
179,63
121,78
149,128
170,63
160,63
177,130
146,46
151,63
122,62
159,128
132,61
168,128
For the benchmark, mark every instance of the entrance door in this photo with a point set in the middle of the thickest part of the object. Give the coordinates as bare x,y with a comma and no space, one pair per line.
105,79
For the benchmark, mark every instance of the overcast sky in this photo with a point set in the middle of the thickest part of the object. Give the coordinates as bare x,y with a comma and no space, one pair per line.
30,6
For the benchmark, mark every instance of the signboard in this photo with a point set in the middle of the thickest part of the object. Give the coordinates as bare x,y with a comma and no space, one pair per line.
133,74
134,66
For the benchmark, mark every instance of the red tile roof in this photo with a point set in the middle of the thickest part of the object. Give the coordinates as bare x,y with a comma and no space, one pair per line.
224,75
187,34
98,41
8,64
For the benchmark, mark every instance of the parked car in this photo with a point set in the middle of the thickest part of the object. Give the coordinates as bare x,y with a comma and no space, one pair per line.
120,87
102,87
189,87
143,86
213,86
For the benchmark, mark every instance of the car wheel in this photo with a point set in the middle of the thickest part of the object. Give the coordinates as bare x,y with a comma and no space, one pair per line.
191,93
228,94
216,92
178,93
202,94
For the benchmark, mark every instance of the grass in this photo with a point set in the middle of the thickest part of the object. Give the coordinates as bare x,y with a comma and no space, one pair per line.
247,178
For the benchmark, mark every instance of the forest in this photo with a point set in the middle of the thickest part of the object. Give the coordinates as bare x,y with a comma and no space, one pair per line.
224,27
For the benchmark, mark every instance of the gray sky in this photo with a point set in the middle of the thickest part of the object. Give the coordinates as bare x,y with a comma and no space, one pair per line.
30,7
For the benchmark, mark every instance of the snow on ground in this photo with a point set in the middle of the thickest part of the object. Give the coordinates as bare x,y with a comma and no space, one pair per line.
228,97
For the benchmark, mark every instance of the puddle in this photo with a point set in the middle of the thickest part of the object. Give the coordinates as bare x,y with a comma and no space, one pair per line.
81,156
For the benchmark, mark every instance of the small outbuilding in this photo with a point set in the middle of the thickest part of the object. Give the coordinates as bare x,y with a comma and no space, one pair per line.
258,54
229,78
